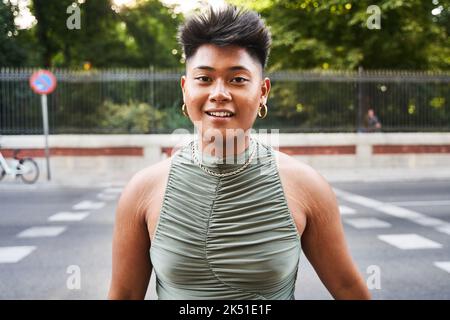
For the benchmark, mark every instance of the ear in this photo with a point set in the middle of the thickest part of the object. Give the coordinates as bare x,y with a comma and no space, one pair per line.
265,89
183,83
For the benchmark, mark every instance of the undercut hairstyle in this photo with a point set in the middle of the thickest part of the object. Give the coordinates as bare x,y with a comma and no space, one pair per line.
228,25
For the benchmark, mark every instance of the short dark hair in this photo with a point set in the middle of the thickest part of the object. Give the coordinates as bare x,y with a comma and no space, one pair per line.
228,25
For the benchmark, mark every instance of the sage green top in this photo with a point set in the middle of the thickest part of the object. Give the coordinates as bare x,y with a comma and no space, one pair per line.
227,237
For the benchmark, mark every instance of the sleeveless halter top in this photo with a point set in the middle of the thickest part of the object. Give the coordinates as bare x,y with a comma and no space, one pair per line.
227,237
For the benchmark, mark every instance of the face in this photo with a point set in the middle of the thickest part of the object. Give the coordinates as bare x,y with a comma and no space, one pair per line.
223,78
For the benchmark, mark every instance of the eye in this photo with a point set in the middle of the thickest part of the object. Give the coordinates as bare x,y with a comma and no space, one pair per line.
240,79
203,78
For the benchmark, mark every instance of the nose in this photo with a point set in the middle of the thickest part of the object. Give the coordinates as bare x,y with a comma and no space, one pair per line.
219,92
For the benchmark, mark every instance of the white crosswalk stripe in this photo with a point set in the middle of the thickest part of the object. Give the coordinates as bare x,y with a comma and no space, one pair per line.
113,190
367,223
421,203
14,254
444,229
399,212
344,210
429,222
35,232
409,241
107,197
444,265
69,216
88,205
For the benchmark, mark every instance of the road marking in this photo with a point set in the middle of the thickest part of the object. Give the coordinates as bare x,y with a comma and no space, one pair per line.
429,222
35,232
409,241
14,254
366,202
367,223
413,216
444,265
444,229
378,205
113,190
399,212
344,210
421,203
68,216
88,205
106,197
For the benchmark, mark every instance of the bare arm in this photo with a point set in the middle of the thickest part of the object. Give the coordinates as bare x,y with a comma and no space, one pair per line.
131,266
324,244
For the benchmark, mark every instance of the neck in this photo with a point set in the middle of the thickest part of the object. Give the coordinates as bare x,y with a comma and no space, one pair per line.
226,148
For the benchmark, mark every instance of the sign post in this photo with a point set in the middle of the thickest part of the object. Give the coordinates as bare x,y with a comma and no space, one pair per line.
43,82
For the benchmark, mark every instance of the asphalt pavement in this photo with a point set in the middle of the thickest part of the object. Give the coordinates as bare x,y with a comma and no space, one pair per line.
55,241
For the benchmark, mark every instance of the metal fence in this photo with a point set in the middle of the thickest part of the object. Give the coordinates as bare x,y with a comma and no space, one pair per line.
149,101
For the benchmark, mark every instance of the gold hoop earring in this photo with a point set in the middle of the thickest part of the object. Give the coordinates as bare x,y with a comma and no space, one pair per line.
262,116
183,109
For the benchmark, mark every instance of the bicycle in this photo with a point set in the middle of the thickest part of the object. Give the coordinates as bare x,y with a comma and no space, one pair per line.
26,168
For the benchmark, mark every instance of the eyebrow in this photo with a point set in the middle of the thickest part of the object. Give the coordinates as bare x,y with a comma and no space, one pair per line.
234,68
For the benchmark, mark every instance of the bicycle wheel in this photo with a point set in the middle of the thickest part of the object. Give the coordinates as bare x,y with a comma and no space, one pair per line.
2,172
30,170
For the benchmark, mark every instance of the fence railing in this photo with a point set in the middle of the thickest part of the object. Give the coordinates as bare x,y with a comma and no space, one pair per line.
149,101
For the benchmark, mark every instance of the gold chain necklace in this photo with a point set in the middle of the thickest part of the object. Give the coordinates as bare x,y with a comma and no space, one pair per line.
245,165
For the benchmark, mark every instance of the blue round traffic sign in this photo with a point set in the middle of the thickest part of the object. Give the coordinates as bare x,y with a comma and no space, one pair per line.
43,82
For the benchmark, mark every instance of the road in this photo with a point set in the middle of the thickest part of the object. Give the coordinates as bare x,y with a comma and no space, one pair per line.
55,242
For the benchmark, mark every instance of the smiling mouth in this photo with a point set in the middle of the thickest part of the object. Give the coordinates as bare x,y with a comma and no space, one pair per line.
220,114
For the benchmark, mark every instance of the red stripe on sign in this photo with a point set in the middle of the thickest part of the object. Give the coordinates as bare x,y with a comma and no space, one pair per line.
399,149
77,152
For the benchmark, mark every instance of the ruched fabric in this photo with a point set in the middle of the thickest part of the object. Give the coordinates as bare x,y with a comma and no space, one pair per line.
225,237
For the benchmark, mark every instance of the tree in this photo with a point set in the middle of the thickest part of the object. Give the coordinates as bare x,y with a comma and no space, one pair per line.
51,27
11,54
334,34
153,27
139,36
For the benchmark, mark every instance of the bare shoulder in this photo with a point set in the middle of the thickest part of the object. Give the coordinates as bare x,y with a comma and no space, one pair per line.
311,186
302,173
152,173
137,193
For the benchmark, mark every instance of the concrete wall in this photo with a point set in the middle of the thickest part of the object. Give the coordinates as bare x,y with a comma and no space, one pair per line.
94,159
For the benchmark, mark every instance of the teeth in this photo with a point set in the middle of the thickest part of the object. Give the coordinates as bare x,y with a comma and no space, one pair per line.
220,114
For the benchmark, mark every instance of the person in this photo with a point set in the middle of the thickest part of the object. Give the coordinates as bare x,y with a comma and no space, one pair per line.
372,122
227,216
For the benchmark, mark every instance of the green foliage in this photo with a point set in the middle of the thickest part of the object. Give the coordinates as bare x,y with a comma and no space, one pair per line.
51,32
334,34
307,34
298,104
138,37
134,117
152,28
11,53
